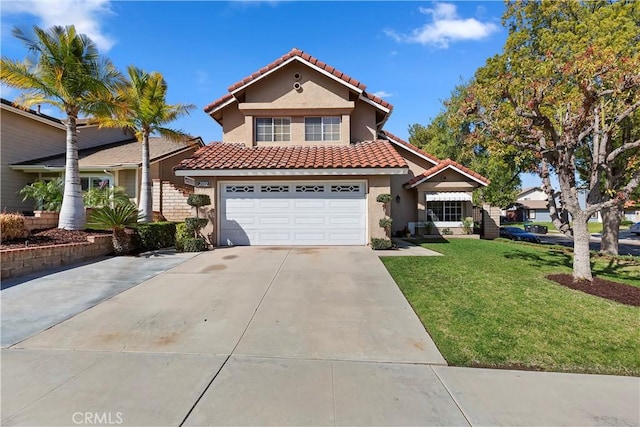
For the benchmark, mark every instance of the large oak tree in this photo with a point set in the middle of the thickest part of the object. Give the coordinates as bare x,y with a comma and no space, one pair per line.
562,89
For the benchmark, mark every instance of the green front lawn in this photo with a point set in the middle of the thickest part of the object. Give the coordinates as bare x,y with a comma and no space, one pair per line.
487,303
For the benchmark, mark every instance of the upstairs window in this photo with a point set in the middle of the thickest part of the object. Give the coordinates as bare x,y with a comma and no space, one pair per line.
322,129
273,129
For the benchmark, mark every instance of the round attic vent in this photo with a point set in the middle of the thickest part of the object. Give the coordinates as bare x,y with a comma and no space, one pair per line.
297,76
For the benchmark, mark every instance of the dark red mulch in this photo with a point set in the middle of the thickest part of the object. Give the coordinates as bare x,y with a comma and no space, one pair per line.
614,291
52,236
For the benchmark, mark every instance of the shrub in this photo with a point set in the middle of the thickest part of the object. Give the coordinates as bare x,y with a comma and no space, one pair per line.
46,194
157,235
467,225
385,223
626,222
194,244
379,244
117,219
12,227
182,233
106,196
198,200
194,225
383,198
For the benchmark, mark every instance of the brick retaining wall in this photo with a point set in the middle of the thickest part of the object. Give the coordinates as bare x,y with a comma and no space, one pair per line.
41,220
18,262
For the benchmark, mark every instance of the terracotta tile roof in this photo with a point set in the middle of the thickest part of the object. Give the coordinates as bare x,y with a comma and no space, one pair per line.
443,165
370,154
410,146
120,153
278,62
218,102
297,52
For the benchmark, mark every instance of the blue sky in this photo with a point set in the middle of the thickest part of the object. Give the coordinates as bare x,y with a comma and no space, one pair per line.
412,54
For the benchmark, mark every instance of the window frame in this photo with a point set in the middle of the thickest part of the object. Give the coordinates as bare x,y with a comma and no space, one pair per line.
324,132
285,137
447,210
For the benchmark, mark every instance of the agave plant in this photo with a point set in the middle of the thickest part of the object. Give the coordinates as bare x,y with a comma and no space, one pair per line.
116,218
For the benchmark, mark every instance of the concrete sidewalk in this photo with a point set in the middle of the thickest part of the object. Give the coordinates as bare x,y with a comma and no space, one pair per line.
278,336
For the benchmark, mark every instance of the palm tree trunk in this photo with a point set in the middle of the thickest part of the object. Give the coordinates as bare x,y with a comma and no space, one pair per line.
145,205
72,215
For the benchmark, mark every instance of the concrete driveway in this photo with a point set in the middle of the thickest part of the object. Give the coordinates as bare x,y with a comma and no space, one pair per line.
276,336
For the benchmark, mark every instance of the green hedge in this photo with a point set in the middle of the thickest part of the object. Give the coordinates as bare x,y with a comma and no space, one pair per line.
157,235
378,244
182,233
194,244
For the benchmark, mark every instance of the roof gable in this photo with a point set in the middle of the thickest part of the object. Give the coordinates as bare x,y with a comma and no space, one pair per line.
410,147
444,165
307,60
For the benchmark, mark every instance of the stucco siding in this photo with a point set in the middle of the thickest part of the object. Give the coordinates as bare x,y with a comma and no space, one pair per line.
405,210
363,122
234,128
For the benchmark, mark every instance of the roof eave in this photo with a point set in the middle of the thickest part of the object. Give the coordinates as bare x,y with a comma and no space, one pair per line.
294,172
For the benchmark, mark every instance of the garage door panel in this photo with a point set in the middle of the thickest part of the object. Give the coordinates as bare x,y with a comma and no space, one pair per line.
323,217
237,222
274,204
279,220
309,204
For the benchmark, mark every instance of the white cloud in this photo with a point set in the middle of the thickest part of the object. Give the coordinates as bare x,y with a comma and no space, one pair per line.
86,15
444,27
382,94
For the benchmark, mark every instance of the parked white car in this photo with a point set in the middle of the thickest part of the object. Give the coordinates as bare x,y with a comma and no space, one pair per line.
635,228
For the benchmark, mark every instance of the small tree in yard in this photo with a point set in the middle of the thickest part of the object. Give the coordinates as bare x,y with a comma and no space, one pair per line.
562,89
195,224
117,219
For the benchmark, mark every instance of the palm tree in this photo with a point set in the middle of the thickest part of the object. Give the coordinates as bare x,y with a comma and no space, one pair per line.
141,106
66,71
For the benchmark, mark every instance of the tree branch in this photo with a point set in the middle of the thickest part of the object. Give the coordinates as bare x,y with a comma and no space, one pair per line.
625,147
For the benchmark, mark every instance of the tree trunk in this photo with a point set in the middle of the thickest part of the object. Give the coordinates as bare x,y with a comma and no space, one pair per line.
72,215
581,255
121,242
611,219
146,204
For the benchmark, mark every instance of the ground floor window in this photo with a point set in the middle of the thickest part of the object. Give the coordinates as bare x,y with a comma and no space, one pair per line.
444,211
532,214
101,182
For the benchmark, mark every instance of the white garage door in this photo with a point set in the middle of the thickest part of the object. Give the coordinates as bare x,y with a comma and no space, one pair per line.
292,213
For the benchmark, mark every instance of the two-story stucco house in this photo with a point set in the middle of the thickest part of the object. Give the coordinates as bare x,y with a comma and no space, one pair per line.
32,148
304,157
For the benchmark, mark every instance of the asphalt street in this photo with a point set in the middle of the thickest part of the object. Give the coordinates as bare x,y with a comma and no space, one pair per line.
628,244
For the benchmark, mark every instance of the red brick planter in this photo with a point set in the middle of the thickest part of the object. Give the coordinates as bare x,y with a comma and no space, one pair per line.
18,262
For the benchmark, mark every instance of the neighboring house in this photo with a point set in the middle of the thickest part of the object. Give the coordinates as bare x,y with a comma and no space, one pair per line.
530,205
632,210
33,148
303,158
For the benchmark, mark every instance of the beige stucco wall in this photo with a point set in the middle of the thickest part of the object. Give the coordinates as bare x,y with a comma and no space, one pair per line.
363,126
234,129
166,167
275,96
375,211
406,210
447,180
